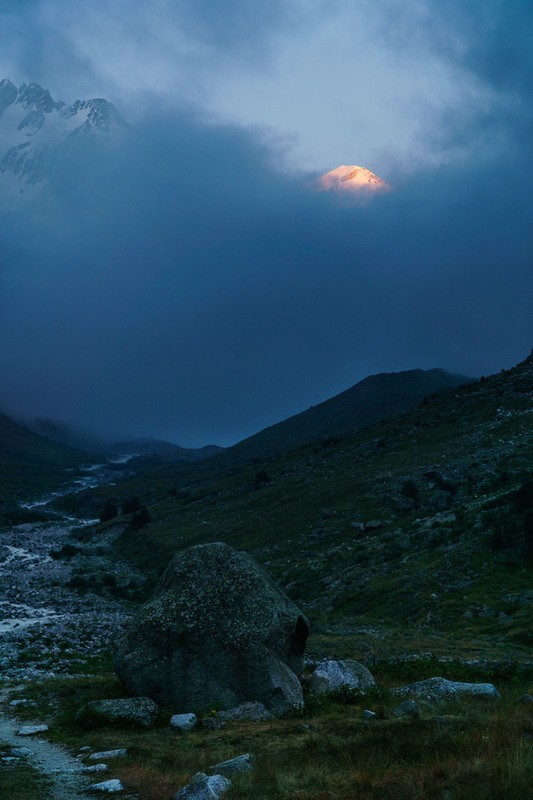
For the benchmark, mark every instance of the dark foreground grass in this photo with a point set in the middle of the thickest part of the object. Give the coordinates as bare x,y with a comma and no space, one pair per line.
467,749
21,781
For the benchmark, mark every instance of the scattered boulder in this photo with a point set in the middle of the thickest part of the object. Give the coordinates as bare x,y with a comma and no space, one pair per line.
526,698
234,766
436,690
204,787
367,714
106,787
373,525
217,632
183,722
133,710
409,708
330,676
31,730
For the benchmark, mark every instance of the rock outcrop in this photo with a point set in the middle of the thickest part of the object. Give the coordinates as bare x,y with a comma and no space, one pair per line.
216,633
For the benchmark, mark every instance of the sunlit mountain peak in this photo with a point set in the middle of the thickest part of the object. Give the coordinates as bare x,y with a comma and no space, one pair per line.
353,181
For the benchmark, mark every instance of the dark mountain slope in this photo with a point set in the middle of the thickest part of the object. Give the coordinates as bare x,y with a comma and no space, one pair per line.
30,464
372,399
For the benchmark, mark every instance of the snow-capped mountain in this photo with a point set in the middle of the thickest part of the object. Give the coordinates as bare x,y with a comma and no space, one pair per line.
39,137
352,182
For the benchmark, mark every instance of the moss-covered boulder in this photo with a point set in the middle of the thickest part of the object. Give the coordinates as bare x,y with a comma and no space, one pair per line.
217,633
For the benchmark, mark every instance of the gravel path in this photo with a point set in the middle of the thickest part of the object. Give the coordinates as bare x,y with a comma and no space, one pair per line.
62,770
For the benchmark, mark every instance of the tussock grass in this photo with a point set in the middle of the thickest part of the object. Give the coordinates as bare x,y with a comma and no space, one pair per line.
466,749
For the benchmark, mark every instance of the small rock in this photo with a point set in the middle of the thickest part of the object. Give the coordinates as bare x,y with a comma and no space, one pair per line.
21,752
204,787
183,722
252,710
24,703
367,714
373,525
107,787
85,749
31,730
95,768
234,766
526,698
121,751
409,708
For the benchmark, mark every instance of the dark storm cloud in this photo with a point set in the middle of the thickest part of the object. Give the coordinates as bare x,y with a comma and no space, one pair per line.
183,288
186,290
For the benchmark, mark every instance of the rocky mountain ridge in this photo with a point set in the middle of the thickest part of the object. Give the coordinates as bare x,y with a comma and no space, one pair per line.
40,138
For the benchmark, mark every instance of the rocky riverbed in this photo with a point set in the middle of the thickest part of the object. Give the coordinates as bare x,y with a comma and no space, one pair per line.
53,621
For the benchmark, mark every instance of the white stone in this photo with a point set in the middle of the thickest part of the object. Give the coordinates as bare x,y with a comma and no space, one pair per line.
438,689
95,768
31,730
183,722
108,754
204,787
330,676
107,787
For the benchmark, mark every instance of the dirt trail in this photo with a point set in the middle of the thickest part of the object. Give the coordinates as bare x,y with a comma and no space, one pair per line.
62,770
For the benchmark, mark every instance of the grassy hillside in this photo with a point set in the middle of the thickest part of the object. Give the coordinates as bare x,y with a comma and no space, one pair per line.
31,464
412,535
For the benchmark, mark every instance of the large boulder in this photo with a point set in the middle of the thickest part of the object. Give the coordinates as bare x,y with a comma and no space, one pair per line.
216,633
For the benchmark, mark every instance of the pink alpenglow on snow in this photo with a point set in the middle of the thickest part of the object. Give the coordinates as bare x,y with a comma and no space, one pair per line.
353,183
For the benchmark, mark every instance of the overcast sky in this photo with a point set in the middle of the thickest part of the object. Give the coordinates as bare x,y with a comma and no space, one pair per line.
194,289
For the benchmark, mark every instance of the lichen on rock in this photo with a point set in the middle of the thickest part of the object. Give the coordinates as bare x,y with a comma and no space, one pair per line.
217,633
